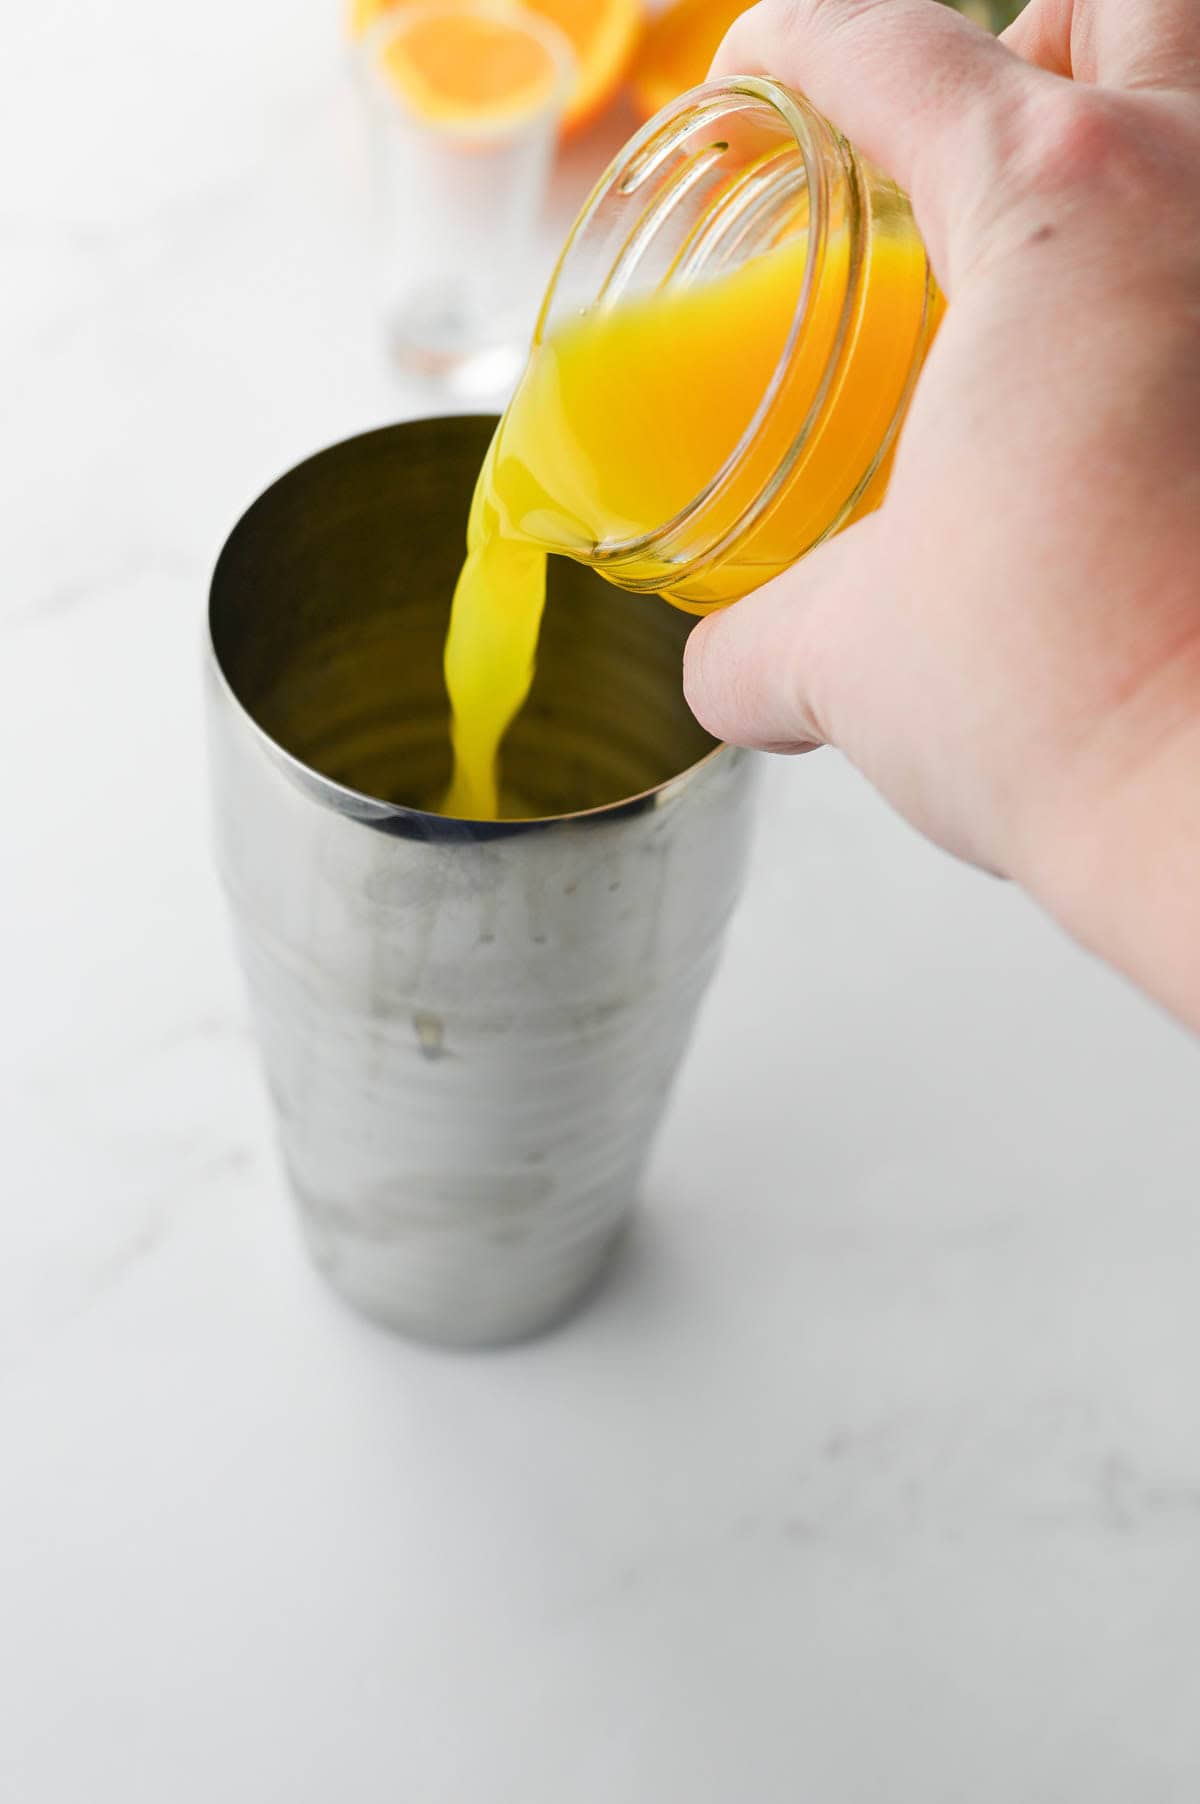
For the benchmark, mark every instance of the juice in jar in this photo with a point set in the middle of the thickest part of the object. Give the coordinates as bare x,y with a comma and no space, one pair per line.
696,435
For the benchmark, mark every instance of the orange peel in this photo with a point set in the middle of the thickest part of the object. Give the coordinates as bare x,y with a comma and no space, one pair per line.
677,48
603,34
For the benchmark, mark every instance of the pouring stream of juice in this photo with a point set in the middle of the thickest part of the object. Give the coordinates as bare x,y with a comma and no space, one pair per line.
621,418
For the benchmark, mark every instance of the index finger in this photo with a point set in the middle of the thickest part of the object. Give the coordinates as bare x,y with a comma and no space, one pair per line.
1123,43
906,81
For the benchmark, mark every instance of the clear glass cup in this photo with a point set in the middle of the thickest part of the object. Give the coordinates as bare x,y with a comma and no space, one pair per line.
459,189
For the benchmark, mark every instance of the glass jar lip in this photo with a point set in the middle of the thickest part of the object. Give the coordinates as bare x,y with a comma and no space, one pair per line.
805,124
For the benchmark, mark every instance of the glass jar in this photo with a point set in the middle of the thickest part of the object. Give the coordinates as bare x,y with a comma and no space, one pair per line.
728,173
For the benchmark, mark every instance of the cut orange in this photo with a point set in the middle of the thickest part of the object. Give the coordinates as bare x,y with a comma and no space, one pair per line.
472,63
677,49
602,33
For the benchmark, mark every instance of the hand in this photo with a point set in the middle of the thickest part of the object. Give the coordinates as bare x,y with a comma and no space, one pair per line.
1010,647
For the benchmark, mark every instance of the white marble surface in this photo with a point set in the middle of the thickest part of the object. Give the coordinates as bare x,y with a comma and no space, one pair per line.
875,1472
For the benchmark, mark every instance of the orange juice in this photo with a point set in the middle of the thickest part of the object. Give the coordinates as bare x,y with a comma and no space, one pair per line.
621,419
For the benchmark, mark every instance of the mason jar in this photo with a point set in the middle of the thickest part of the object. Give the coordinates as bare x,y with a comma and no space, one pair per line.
732,171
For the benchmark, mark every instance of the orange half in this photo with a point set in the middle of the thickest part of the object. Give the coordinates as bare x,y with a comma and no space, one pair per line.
677,49
602,34
471,63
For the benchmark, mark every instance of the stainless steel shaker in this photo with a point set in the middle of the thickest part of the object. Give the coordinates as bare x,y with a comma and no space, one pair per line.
468,1028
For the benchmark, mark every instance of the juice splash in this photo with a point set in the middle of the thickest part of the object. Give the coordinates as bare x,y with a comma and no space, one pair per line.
626,414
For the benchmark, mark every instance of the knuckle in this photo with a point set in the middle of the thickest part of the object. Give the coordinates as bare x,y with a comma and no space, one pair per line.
1081,141
775,26
777,23
822,15
1063,155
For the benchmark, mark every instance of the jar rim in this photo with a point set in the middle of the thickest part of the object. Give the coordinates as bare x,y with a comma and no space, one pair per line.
813,135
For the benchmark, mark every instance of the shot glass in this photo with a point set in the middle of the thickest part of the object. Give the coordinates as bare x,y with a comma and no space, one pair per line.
469,1029
460,181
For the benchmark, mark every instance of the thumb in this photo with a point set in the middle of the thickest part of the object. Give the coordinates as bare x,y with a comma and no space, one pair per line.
774,671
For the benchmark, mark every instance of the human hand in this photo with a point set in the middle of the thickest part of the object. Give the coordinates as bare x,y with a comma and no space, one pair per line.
1010,648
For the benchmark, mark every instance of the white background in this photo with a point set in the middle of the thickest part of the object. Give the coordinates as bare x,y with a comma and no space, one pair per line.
874,1474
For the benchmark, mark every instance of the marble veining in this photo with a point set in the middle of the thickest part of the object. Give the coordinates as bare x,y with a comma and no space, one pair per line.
873,1473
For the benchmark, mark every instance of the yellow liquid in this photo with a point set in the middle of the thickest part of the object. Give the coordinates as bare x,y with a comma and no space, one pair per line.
624,416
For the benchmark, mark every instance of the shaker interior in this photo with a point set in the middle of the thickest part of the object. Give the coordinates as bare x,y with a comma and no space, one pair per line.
328,616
